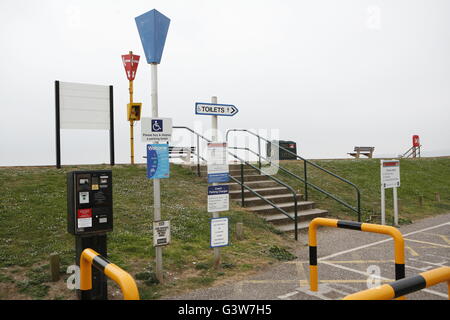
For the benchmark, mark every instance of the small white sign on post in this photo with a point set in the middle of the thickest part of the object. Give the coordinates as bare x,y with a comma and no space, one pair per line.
218,198
390,178
156,129
219,232
161,233
217,162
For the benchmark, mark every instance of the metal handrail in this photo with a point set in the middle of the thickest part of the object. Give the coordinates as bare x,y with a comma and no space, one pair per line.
299,178
197,153
410,151
242,184
305,178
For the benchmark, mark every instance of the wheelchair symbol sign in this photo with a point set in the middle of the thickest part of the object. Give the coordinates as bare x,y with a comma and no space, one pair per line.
157,126
156,129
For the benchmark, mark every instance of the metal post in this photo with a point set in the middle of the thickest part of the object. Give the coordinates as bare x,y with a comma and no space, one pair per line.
156,182
394,190
383,207
306,180
242,185
198,156
57,126
214,128
359,205
131,121
259,152
111,125
296,216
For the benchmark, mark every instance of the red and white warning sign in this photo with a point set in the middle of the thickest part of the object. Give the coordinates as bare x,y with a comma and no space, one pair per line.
84,218
130,62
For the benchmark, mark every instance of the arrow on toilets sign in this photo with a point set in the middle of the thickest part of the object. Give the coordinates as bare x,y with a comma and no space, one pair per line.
212,109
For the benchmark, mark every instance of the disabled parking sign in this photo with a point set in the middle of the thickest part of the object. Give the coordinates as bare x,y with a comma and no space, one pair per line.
158,161
155,130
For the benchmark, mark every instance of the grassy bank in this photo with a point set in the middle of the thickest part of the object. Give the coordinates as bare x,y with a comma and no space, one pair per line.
420,178
33,225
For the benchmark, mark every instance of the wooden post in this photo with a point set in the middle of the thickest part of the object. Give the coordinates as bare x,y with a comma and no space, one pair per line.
421,201
54,266
239,231
438,197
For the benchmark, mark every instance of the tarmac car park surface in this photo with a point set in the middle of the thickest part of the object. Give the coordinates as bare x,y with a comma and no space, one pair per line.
347,261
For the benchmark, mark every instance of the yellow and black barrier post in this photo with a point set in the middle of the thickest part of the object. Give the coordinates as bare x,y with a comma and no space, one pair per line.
405,286
89,258
399,244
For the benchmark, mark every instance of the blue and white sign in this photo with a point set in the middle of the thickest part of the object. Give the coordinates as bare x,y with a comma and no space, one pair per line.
218,198
156,129
158,161
217,167
153,27
219,232
213,109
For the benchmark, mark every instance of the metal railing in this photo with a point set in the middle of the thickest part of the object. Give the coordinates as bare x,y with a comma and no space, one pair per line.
90,258
411,151
242,182
304,179
405,286
399,244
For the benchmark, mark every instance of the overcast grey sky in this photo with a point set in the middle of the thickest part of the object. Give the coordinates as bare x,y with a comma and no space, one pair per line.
327,74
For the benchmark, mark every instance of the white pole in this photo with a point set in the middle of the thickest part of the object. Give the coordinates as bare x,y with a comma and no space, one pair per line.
156,182
395,206
214,137
214,126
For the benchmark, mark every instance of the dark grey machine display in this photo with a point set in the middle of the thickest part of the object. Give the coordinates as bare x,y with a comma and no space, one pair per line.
89,202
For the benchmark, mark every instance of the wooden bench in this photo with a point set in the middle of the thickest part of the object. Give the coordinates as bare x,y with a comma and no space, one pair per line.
185,153
175,152
366,151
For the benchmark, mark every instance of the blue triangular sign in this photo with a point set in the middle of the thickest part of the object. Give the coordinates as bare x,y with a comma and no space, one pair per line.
153,27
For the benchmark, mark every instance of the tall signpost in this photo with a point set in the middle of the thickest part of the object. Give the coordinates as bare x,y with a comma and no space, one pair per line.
153,27
130,62
390,178
218,172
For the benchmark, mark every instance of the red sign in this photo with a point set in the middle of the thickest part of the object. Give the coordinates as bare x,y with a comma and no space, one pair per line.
416,142
84,213
391,164
130,62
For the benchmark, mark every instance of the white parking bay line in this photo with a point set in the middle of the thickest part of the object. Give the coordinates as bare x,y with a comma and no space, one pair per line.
379,242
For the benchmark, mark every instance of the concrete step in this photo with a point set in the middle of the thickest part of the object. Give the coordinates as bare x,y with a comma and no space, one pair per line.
286,206
302,216
290,227
236,194
251,200
247,172
254,184
254,177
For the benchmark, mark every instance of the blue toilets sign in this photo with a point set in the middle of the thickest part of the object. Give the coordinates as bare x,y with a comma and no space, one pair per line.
153,27
158,161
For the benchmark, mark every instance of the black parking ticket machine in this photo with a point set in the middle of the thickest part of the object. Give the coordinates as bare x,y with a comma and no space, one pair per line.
89,202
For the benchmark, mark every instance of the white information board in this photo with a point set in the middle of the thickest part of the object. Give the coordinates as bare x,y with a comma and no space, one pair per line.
390,173
390,178
84,106
161,233
219,232
217,162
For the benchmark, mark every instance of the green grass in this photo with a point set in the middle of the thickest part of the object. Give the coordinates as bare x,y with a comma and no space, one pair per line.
33,224
419,177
